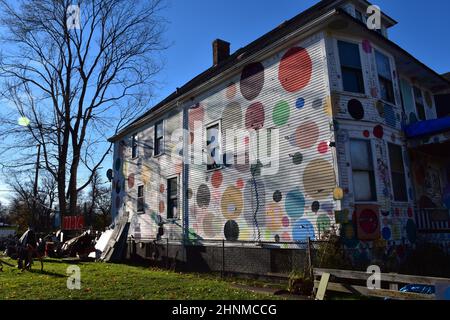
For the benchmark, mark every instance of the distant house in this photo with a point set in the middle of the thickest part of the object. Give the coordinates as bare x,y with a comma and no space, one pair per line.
361,149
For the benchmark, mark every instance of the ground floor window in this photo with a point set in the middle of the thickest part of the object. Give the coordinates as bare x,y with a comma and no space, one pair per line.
172,198
362,170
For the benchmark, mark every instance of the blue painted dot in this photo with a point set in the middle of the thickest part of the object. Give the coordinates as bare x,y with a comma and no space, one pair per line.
300,103
295,203
386,232
302,230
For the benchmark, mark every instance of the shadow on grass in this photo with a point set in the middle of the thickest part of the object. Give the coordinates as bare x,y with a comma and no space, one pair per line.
48,273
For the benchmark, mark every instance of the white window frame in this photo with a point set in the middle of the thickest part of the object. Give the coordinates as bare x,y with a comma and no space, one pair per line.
374,165
207,126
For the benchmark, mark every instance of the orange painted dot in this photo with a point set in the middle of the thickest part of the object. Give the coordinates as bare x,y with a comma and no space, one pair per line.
240,183
231,91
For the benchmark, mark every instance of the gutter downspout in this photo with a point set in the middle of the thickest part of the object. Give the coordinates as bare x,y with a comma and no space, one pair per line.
185,173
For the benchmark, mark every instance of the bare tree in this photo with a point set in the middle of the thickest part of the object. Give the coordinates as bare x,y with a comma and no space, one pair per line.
37,210
74,83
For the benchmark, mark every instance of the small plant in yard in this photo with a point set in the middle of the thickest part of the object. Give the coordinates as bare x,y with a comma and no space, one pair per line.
301,283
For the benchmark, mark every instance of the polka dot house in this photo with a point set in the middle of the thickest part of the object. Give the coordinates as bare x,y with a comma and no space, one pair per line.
342,163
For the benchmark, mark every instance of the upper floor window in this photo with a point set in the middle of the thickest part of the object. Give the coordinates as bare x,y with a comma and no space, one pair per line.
362,170
359,15
213,146
420,104
134,146
397,172
159,138
351,69
385,77
172,198
140,199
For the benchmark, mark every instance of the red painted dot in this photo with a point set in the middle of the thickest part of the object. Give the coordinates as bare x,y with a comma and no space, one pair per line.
378,132
131,180
323,147
216,179
246,140
295,69
410,212
254,116
240,183
366,133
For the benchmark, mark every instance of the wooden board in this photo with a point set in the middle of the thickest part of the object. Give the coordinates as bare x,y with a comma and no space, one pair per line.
323,285
379,293
387,277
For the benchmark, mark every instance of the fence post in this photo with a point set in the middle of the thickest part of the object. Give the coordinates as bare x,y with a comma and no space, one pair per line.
222,274
310,259
167,253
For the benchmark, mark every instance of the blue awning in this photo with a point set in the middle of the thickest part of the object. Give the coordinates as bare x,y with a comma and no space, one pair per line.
427,127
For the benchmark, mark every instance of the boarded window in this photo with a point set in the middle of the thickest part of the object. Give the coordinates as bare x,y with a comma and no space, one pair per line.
385,77
397,172
134,146
362,169
420,104
213,147
140,199
352,76
159,138
172,198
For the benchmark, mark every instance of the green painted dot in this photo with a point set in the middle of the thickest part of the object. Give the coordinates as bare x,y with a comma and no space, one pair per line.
323,223
281,113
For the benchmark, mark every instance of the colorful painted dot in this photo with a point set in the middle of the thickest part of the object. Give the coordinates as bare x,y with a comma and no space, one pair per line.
378,132
295,203
323,147
285,221
315,206
131,180
240,183
306,134
216,179
295,69
254,116
277,196
300,103
281,113
252,80
302,230
366,133
297,158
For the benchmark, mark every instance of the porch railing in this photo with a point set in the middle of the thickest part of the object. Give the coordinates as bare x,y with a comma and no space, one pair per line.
433,220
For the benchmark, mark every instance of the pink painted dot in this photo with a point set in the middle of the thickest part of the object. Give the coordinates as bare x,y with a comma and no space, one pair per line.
323,147
366,133
240,183
285,221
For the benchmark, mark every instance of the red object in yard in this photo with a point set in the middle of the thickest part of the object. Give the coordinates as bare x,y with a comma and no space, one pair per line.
73,223
49,247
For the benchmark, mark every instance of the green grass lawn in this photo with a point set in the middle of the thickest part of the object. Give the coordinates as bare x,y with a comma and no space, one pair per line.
114,281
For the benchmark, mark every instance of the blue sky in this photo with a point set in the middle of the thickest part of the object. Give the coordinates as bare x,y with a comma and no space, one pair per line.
423,30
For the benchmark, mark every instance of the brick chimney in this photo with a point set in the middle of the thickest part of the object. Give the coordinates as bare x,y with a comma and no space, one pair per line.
221,51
